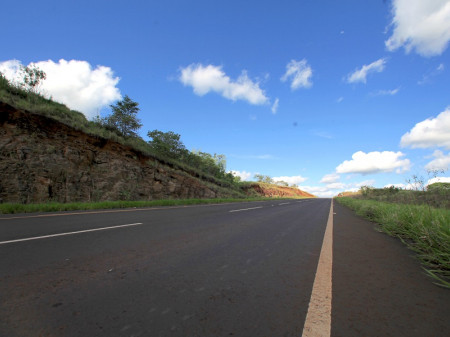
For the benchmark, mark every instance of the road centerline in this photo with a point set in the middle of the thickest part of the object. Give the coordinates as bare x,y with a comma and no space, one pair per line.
318,318
244,209
69,233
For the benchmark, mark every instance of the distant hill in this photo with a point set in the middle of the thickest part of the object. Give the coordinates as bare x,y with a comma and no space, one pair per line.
271,190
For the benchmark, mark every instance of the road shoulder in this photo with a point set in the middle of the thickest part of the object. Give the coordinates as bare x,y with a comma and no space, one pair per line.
379,287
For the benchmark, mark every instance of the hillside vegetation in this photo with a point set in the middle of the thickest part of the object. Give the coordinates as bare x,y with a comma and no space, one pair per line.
420,219
77,161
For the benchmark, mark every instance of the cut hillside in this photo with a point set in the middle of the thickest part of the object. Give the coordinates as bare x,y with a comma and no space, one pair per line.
42,159
275,191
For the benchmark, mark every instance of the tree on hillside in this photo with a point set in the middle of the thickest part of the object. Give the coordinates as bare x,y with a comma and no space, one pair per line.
32,76
124,117
167,144
263,179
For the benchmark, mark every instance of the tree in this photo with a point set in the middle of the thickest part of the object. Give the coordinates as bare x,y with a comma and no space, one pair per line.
263,179
167,144
32,76
124,117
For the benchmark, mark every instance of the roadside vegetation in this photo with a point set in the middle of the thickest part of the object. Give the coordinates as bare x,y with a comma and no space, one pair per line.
121,125
419,218
10,208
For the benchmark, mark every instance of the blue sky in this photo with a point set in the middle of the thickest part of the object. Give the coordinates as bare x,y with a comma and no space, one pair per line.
328,95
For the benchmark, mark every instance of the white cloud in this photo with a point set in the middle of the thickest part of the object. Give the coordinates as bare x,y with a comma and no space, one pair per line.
336,186
374,162
420,25
330,178
441,161
402,186
244,175
370,182
438,180
427,78
74,83
204,79
429,133
291,180
275,106
300,73
360,75
386,92
320,191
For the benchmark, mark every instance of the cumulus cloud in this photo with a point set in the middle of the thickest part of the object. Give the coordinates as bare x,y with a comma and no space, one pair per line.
330,178
275,106
291,180
441,161
360,75
74,83
319,191
402,186
374,162
244,175
204,79
438,180
432,132
336,186
300,73
423,26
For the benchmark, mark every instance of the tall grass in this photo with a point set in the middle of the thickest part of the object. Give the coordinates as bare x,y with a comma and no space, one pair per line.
424,229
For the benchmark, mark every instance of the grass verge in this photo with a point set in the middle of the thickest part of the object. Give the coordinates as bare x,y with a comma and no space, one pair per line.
13,208
424,230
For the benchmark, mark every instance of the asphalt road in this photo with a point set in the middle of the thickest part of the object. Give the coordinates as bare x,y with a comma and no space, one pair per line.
242,269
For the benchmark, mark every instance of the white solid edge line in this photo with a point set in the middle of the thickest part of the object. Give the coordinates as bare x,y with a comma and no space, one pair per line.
318,318
244,209
69,233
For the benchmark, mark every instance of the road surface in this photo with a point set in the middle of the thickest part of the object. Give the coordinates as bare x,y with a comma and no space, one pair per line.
241,269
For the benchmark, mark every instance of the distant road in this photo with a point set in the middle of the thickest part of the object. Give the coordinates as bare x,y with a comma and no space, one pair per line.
241,269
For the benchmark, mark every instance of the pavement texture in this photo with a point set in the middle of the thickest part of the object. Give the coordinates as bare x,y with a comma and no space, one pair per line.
243,269
379,286
196,271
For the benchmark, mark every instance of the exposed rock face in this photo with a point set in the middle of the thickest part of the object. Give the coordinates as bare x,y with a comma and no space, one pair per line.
42,160
275,191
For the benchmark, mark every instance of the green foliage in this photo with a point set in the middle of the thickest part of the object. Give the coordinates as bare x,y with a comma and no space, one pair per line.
121,127
441,187
124,118
167,144
12,208
424,230
263,179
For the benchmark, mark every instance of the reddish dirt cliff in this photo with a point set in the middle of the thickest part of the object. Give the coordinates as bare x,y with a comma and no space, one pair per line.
269,190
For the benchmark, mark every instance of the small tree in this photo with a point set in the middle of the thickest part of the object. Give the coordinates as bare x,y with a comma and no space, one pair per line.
124,117
32,77
167,144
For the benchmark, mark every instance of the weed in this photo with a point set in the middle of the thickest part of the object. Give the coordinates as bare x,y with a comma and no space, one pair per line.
423,229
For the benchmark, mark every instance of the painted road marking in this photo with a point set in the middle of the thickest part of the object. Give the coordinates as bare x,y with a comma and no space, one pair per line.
86,212
69,233
318,319
244,209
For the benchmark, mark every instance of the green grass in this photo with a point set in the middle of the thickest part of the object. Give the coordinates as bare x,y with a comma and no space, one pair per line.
424,229
12,208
